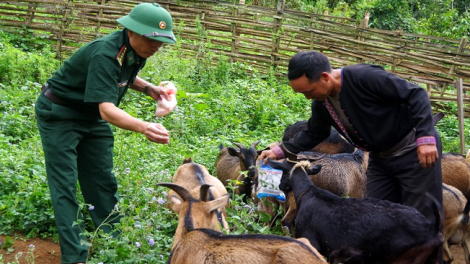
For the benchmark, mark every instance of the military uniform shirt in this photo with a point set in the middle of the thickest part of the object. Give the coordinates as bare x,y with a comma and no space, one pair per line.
100,71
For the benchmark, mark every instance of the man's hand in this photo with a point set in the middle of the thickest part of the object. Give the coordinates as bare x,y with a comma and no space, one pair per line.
267,154
159,91
427,155
157,133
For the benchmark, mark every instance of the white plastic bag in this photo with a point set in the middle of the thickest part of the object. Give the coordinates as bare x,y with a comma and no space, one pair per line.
164,106
268,183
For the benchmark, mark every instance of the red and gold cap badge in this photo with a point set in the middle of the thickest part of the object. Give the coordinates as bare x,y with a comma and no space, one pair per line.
162,25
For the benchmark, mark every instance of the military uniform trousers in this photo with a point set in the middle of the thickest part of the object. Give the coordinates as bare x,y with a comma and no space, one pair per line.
77,146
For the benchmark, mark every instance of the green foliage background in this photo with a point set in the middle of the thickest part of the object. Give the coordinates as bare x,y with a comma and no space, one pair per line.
218,102
442,18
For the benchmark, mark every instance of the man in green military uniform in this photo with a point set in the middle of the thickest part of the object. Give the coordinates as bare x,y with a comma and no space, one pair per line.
74,111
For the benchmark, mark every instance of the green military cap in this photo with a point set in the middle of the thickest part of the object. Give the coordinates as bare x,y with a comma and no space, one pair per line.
150,20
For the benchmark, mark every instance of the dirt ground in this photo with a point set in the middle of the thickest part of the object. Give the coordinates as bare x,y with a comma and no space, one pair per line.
48,252
45,251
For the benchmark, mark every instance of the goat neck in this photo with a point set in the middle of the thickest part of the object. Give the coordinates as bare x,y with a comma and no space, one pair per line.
299,179
302,184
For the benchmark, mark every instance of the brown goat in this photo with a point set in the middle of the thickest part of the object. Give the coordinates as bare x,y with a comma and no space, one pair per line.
232,162
199,245
468,156
456,172
456,221
192,176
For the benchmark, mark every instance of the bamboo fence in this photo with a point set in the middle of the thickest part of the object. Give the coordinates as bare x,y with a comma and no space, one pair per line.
263,37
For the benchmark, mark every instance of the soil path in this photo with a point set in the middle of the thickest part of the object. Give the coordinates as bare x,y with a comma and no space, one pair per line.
45,251
48,252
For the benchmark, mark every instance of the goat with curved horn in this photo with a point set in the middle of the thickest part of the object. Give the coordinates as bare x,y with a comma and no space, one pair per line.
180,190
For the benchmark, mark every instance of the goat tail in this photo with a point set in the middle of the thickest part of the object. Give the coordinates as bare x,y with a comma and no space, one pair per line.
466,210
438,215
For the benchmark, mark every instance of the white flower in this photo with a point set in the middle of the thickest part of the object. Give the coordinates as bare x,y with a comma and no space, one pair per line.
161,201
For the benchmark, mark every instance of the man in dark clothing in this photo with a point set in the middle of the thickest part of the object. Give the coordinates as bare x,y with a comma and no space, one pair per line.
377,112
74,112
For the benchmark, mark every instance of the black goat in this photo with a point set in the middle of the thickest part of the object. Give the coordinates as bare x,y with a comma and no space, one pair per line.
376,231
231,162
342,174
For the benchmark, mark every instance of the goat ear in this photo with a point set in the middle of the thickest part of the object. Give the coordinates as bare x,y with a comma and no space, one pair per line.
217,203
204,192
276,165
233,151
175,203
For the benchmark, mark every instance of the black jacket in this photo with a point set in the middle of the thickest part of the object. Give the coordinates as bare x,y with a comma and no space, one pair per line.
381,107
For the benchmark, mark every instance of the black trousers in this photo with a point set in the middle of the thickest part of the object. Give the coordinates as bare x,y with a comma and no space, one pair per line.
403,180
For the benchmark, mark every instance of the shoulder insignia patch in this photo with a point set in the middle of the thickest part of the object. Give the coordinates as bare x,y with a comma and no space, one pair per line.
121,55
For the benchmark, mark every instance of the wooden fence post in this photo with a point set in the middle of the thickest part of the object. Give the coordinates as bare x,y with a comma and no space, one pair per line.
313,18
235,34
313,25
30,14
361,35
276,37
63,21
460,114
463,43
99,15
396,60
461,49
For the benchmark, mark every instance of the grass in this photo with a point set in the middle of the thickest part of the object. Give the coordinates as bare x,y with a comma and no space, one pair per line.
221,103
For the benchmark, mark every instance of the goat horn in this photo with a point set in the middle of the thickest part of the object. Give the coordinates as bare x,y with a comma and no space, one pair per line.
203,192
180,190
240,146
254,144
187,160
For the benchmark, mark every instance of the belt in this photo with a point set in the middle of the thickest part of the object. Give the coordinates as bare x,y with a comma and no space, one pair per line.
54,98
